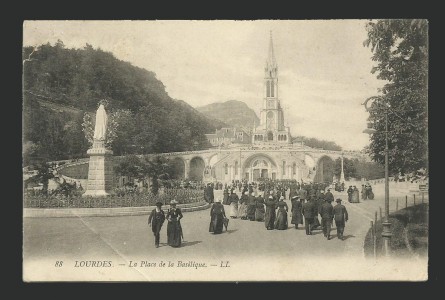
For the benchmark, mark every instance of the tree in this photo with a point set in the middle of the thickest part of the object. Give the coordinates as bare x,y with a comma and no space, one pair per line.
316,143
400,47
349,168
156,168
60,83
126,130
133,167
44,174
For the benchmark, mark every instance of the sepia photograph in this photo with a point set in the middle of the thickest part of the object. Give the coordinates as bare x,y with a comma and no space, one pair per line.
225,150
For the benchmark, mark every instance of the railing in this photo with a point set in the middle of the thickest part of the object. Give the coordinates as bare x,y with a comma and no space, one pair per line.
400,203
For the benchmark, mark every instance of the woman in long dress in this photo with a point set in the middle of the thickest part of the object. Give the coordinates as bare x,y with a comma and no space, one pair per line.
226,197
242,209
233,205
355,195
269,217
251,206
217,216
281,221
297,217
259,209
174,229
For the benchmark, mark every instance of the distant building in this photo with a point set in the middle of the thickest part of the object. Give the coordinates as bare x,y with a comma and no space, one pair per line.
227,136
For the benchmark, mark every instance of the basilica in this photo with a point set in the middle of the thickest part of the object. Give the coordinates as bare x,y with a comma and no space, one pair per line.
266,152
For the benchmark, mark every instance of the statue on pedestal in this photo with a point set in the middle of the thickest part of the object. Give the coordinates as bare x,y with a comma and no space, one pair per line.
100,168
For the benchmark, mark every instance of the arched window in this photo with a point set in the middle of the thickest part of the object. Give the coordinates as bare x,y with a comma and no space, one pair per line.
226,168
268,89
272,92
294,169
284,168
285,137
270,136
236,167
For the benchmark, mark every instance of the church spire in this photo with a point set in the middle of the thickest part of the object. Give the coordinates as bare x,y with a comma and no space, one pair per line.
271,64
271,57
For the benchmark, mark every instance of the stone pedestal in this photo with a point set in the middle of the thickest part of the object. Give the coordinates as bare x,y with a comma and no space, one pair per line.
100,171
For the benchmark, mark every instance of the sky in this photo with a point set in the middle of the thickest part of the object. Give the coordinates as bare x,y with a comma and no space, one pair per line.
324,71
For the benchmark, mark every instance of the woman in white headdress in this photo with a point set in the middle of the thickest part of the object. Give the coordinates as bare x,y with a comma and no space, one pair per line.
233,205
217,216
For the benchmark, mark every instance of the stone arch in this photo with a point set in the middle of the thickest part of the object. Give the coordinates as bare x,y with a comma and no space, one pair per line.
213,159
178,165
309,160
324,169
197,167
248,161
259,166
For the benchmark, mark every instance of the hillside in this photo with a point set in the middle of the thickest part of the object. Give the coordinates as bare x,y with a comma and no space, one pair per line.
233,112
61,84
205,118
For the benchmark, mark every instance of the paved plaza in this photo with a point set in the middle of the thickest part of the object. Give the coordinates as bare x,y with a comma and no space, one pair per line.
128,239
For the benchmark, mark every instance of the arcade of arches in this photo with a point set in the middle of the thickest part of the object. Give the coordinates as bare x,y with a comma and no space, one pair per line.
253,165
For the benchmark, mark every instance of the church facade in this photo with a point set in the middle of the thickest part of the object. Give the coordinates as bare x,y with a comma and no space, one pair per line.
271,128
270,153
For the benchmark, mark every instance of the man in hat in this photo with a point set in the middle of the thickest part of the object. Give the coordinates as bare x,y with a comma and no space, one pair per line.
327,213
340,217
270,213
297,217
308,211
156,220
329,196
350,191
303,193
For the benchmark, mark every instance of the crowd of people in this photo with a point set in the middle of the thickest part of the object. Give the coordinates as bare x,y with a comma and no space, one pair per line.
261,202
269,206
354,194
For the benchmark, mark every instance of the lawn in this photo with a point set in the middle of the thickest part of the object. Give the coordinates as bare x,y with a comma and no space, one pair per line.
409,228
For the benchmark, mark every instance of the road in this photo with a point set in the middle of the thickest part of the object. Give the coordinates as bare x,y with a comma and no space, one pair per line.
245,248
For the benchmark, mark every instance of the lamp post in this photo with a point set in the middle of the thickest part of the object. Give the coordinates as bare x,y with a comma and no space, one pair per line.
386,234
342,174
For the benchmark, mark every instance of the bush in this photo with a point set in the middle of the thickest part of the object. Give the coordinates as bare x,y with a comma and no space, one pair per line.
116,199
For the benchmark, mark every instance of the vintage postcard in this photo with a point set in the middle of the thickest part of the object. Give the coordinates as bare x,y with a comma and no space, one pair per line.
195,150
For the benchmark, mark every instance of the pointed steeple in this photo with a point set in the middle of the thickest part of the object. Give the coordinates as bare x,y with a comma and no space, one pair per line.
271,64
271,57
